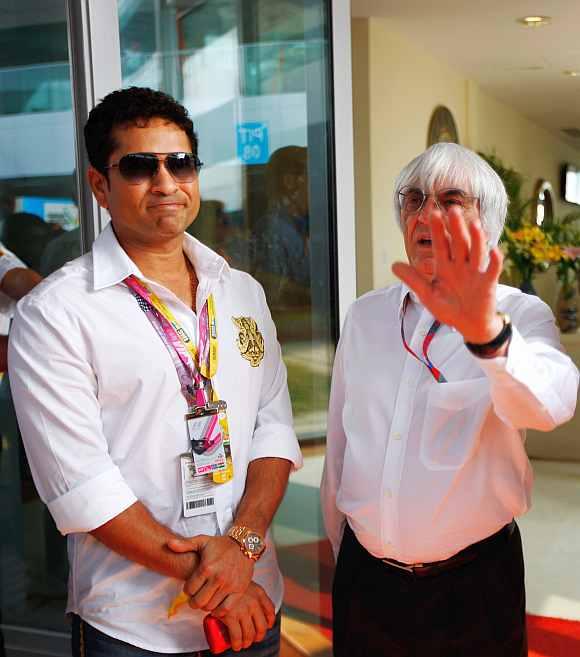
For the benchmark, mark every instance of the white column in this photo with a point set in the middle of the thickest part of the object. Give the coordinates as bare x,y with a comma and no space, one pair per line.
344,155
93,33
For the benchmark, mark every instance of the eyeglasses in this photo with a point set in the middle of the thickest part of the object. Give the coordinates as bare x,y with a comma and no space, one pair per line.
137,168
412,200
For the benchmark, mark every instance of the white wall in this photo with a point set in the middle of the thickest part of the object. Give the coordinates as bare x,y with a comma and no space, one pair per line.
396,87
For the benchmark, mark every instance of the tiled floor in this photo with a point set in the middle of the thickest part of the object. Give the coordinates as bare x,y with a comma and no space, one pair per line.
551,535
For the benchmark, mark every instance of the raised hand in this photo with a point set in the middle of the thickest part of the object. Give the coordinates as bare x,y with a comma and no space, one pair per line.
223,569
462,292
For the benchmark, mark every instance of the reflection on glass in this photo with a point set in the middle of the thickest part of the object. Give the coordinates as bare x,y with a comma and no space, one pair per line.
254,75
39,225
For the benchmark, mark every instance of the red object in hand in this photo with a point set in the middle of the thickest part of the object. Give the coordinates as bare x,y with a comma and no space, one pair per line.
217,634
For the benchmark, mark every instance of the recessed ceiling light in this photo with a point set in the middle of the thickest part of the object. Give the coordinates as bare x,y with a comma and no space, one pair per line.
571,74
534,21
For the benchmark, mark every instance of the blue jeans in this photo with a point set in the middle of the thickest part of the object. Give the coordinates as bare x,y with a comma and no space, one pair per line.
87,641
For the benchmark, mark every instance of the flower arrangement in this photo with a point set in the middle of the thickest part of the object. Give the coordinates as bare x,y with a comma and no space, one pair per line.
529,249
565,232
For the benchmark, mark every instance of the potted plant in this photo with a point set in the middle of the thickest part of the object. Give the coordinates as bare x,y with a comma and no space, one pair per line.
566,233
530,250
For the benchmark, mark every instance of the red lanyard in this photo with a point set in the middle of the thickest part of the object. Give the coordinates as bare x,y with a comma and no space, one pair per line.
437,375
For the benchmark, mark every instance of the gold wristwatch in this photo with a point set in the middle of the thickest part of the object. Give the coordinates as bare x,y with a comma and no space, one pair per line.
250,542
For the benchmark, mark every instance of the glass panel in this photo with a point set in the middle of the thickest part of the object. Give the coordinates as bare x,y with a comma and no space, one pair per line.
39,224
255,79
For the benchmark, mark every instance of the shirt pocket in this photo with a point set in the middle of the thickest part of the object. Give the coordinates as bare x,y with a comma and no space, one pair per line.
452,424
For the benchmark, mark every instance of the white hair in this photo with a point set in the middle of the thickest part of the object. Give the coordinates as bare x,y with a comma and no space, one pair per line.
452,165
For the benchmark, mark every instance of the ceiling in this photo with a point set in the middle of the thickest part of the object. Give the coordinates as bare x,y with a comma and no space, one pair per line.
517,65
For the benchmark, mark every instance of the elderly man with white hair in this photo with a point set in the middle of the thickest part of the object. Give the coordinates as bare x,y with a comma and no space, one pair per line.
435,381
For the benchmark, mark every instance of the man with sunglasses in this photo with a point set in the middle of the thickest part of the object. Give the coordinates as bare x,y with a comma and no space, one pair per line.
153,403
435,381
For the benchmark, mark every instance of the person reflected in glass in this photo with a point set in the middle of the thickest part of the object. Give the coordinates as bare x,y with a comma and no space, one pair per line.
65,246
16,280
27,235
282,253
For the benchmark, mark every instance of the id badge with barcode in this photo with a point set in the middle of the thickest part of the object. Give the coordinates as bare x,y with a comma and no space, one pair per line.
197,491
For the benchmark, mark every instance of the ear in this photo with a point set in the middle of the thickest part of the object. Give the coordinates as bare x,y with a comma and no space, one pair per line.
100,186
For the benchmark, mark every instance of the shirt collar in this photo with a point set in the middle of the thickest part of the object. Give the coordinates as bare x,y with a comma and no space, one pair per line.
112,265
405,290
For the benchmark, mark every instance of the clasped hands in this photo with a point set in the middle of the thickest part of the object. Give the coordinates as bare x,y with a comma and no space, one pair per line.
462,291
222,584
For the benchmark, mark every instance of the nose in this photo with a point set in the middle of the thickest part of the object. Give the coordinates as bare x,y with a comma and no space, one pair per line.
428,210
163,182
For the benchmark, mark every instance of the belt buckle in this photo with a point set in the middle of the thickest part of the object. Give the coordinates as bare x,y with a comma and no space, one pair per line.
409,569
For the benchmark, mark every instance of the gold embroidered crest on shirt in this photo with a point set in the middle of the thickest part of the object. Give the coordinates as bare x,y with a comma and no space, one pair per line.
250,341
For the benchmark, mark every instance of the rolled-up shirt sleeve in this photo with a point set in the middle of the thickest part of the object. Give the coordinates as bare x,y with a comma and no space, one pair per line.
55,393
536,385
274,434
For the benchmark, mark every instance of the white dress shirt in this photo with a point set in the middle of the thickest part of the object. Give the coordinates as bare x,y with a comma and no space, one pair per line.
102,418
422,469
8,261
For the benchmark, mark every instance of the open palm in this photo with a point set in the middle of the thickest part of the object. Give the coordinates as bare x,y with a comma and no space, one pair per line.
462,292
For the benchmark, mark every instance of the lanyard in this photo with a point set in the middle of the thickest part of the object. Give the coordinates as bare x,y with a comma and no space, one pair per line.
437,375
192,364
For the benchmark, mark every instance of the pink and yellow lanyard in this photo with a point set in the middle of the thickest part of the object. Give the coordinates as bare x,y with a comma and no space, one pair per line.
437,374
194,366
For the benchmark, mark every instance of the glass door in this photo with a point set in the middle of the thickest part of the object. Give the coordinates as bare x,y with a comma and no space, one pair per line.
38,223
255,76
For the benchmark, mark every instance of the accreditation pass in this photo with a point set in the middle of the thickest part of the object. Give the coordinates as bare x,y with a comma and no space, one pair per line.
198,492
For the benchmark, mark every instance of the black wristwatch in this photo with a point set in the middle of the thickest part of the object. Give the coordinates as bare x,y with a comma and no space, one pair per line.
489,349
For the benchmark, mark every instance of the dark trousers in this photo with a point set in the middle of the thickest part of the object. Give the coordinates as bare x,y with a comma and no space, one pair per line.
474,610
87,641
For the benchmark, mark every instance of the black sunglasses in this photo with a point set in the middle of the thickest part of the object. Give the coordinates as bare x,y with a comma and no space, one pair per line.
137,168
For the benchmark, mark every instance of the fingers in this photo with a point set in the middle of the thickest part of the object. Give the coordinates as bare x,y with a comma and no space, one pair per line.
495,266
202,602
460,243
478,254
235,631
204,584
260,625
208,597
245,619
266,604
248,630
194,544
441,243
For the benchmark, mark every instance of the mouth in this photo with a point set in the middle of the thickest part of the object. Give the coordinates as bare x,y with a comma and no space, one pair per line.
424,241
167,204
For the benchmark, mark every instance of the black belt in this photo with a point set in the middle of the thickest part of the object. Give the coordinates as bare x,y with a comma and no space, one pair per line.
463,557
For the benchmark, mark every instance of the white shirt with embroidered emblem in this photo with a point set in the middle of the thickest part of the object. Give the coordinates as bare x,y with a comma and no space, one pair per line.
101,413
422,469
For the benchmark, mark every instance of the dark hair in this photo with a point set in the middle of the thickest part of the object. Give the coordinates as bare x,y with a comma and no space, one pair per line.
132,106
